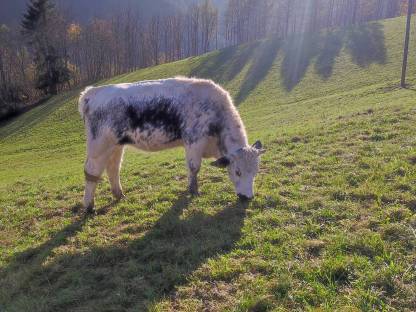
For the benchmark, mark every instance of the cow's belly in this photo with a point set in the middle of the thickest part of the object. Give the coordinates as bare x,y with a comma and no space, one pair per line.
211,149
154,140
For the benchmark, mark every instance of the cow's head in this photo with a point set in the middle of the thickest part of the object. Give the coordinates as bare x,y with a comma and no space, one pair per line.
243,166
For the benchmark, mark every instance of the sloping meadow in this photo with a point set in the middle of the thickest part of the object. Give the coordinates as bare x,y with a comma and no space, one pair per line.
332,227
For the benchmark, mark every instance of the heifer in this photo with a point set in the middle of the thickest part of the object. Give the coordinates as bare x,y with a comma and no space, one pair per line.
156,115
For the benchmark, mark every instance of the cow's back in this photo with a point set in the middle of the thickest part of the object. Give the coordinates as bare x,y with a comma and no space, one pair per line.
156,114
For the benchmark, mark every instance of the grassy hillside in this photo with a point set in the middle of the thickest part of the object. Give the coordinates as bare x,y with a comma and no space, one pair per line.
332,228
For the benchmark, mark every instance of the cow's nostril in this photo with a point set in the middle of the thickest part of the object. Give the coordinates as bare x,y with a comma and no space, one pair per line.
244,197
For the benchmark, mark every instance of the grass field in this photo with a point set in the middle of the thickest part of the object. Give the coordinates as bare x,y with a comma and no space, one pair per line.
333,226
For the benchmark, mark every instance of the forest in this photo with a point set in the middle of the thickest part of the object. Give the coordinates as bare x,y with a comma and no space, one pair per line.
49,51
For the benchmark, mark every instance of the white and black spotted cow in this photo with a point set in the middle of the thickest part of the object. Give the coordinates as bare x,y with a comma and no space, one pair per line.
161,114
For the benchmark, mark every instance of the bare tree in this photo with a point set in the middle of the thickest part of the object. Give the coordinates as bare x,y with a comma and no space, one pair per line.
209,22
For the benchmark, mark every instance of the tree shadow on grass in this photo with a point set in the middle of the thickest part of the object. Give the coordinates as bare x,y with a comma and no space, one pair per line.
226,64
262,60
299,52
229,62
126,276
332,43
365,43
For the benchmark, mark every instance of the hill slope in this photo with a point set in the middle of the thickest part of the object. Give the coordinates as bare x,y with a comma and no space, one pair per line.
332,225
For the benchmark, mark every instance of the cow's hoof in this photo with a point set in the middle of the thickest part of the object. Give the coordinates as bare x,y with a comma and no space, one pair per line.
89,210
194,193
119,195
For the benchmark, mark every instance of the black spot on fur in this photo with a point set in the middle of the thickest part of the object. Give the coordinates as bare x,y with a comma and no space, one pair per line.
206,107
86,106
95,120
157,114
214,129
125,140
191,166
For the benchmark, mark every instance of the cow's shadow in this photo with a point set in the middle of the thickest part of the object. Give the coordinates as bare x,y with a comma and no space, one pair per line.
129,275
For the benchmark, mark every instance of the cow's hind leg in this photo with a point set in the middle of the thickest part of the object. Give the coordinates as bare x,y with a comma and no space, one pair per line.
97,161
113,171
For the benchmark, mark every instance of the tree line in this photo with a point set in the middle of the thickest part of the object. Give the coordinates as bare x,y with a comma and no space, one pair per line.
49,53
247,20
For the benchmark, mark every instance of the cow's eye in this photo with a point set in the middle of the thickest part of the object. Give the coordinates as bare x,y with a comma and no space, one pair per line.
238,173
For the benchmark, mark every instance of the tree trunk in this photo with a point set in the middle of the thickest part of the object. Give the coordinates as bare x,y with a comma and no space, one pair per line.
406,42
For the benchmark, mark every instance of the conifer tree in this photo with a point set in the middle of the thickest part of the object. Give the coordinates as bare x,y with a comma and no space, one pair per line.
38,27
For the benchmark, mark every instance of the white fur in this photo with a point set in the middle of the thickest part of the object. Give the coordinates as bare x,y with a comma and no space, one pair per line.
186,95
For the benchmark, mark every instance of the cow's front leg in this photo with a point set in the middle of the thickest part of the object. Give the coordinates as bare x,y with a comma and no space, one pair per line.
193,159
193,168
94,168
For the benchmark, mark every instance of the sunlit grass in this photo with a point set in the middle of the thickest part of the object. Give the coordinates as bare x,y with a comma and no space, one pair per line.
332,226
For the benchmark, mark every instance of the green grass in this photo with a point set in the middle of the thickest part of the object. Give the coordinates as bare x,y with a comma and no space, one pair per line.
333,226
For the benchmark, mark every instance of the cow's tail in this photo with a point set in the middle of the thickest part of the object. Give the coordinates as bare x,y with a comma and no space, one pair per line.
84,100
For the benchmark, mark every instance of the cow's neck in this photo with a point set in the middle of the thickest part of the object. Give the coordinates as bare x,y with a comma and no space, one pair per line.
233,138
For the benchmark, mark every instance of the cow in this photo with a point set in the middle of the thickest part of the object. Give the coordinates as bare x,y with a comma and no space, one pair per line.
161,114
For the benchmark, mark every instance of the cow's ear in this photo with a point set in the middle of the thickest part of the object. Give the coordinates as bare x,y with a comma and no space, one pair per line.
223,162
258,145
